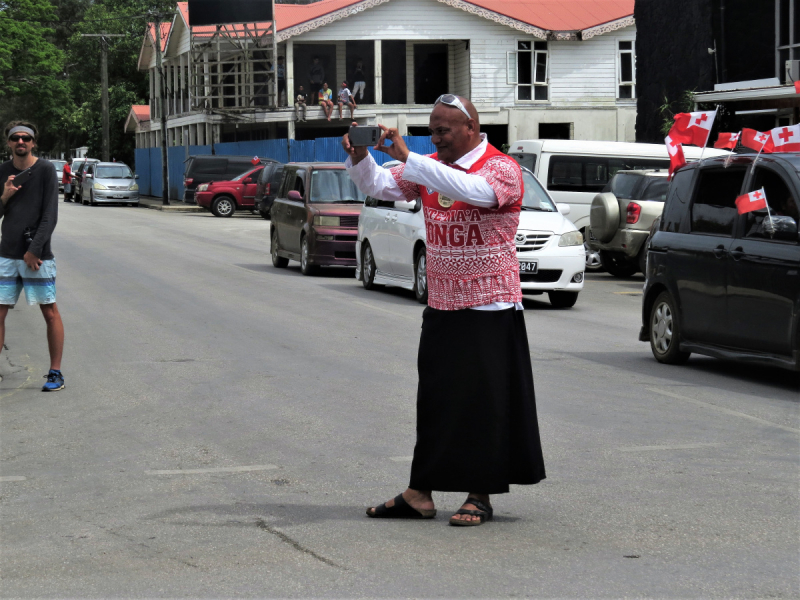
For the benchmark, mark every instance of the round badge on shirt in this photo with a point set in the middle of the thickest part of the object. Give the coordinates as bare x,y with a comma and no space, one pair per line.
444,201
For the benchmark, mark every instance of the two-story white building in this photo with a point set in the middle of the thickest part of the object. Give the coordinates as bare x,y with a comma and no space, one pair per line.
533,69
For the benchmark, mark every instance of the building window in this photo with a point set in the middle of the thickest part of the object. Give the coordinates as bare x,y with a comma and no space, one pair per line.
527,70
626,61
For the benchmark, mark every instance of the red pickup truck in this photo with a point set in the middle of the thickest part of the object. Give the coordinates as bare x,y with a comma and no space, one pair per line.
223,198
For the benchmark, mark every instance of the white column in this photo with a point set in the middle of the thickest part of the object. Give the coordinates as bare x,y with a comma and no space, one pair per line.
378,83
289,62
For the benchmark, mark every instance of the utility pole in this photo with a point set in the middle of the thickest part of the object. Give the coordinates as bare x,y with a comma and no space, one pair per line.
105,153
162,92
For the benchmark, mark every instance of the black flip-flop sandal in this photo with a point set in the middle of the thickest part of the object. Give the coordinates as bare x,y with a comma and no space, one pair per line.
400,510
484,513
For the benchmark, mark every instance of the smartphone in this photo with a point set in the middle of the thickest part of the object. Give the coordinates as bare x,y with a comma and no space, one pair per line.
23,177
364,136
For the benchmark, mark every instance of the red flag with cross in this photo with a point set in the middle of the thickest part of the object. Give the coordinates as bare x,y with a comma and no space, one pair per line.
676,158
786,139
753,201
757,140
692,128
727,140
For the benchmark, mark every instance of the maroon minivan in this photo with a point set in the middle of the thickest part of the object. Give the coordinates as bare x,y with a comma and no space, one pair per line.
315,217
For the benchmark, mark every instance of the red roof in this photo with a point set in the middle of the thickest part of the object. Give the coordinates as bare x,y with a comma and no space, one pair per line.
142,111
165,27
550,15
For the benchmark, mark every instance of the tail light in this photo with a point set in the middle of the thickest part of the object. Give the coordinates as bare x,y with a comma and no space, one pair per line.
267,191
634,212
187,182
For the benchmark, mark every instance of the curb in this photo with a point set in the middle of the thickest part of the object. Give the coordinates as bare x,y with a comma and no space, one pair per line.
183,209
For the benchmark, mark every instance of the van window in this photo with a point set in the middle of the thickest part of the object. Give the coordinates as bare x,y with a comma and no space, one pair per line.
235,167
780,199
525,160
208,165
299,184
714,208
677,204
592,173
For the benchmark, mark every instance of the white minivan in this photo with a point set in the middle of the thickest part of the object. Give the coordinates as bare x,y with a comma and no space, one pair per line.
575,171
390,248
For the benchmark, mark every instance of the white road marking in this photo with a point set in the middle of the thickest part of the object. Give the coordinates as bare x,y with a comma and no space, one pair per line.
727,411
13,478
391,312
214,470
669,447
401,458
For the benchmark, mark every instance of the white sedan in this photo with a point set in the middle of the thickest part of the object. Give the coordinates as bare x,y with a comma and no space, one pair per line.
390,249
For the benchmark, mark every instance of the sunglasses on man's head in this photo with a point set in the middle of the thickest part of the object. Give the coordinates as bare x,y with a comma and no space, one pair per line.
452,100
20,138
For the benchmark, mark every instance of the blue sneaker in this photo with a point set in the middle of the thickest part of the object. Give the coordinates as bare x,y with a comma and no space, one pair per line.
55,381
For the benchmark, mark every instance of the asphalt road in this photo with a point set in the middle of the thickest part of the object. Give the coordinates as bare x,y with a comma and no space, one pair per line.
225,423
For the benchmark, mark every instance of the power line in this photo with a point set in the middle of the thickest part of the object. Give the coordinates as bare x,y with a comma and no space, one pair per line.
58,22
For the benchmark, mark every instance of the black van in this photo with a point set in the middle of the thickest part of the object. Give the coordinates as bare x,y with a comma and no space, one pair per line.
208,167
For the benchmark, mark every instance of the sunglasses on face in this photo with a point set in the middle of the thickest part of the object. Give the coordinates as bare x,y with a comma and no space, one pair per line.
452,100
20,138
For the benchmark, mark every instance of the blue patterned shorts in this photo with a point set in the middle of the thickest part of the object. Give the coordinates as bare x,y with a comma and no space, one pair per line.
39,286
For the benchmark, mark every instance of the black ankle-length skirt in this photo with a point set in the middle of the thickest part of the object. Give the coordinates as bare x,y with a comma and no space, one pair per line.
477,429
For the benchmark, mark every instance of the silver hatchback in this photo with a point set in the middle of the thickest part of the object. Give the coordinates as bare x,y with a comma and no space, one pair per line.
109,182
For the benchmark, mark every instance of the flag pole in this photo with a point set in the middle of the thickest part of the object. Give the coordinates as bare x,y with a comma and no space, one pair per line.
709,133
730,156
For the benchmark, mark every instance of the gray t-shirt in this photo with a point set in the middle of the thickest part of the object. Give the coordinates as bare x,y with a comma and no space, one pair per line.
34,205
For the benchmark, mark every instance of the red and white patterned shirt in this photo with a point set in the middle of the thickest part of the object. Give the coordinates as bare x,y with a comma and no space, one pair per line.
471,255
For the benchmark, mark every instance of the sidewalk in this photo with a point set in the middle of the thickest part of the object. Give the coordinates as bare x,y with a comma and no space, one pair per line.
174,205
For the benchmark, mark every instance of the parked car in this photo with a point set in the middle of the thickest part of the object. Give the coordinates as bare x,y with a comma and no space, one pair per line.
223,198
78,173
315,217
269,182
574,171
109,182
59,165
621,217
724,284
391,247
207,168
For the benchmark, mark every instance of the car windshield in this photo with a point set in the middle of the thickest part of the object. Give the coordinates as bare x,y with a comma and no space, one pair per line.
656,189
120,172
334,186
623,185
243,175
535,197
58,164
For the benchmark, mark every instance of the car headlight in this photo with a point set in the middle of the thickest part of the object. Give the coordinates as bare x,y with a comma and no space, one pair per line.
134,187
99,186
202,187
326,221
571,238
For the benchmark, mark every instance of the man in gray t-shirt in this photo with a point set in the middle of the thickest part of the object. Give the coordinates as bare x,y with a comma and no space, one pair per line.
29,211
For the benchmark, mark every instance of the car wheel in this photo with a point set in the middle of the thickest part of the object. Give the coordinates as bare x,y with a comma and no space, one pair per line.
421,276
279,262
618,266
223,206
665,335
264,215
563,299
306,268
643,257
368,267
593,262
91,199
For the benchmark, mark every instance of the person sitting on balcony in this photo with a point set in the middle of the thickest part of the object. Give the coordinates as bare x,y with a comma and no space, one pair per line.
325,95
360,81
345,97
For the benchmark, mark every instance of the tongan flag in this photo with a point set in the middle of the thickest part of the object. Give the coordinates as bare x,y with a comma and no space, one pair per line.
255,160
786,139
692,128
727,140
676,158
752,201
757,140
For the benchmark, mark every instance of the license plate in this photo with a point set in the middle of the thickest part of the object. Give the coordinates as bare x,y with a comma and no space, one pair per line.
528,267
117,197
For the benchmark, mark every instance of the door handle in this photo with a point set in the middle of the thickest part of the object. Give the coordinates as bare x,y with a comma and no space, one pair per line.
719,251
387,218
738,253
394,218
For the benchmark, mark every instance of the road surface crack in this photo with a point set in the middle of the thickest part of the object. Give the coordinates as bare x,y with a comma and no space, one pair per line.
295,544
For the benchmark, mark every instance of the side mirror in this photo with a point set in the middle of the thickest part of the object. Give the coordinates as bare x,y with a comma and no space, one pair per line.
295,195
247,180
780,227
136,177
564,209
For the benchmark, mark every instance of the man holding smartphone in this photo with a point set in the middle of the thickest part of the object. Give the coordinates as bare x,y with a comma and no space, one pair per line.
477,428
29,210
